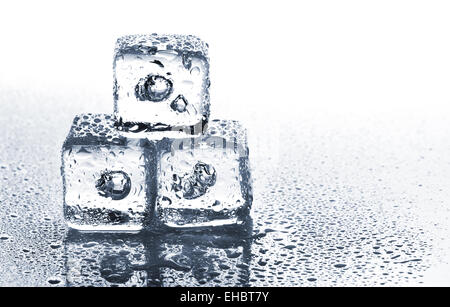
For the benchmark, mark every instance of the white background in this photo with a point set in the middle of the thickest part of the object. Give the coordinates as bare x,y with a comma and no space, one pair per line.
287,56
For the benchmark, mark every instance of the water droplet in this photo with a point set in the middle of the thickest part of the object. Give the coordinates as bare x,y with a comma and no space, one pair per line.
54,280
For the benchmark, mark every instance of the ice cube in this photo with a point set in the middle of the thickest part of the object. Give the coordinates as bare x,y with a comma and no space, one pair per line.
207,258
204,181
108,179
103,260
161,83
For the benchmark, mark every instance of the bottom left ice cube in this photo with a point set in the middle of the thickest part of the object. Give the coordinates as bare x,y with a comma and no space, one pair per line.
107,178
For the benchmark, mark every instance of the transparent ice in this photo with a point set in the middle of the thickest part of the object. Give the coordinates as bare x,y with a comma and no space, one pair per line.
204,181
107,177
161,82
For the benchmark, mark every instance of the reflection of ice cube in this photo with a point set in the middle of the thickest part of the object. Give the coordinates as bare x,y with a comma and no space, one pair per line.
159,259
107,178
204,181
104,260
161,82
209,259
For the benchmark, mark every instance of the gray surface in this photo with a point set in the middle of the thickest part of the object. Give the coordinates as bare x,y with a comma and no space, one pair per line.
339,200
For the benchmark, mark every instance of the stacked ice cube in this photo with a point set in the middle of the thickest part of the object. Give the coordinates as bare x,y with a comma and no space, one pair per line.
158,160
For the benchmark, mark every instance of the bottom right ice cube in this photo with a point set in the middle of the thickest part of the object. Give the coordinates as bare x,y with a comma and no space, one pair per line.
205,181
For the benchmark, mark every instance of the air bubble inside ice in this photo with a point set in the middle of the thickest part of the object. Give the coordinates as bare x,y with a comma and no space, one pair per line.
54,281
153,88
114,184
191,186
179,104
205,174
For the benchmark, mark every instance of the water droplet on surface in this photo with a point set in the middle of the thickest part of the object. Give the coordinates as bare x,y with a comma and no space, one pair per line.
54,280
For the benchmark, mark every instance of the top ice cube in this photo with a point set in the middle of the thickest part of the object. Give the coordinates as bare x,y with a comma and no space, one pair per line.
161,82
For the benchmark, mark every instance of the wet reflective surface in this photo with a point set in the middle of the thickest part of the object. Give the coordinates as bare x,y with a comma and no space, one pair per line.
338,200
159,259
